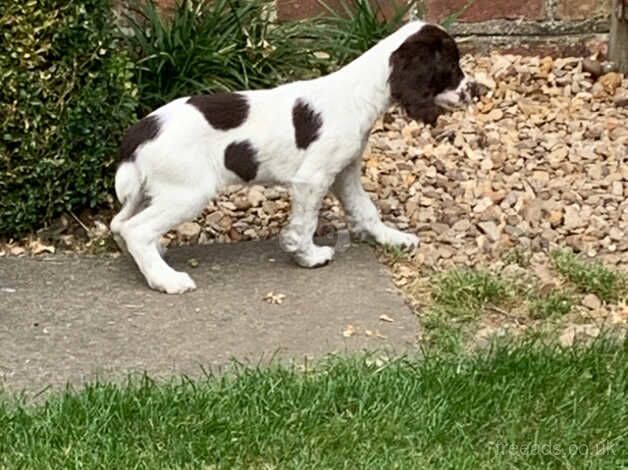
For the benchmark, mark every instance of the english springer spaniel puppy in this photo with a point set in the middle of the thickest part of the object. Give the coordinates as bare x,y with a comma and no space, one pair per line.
308,135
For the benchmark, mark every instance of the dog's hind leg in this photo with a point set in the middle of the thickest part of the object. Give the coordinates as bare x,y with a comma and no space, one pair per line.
141,233
362,213
130,193
128,210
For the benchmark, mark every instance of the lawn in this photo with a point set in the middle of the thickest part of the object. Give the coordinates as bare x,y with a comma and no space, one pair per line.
521,405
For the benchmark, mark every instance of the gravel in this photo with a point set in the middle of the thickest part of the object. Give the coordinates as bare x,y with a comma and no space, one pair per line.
540,161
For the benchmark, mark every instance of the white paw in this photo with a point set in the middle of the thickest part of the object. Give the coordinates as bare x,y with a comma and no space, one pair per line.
391,237
315,257
174,283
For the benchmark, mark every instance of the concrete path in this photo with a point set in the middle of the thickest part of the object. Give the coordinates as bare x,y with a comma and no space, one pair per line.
70,318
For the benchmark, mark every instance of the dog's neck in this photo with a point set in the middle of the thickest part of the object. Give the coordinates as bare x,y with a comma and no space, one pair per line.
364,82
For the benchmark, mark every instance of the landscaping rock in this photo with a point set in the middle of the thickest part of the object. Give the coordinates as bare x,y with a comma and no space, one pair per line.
491,230
591,302
189,230
539,162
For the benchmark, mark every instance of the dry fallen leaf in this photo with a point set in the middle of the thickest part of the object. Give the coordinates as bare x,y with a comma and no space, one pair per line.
275,299
386,318
17,250
348,331
376,334
37,247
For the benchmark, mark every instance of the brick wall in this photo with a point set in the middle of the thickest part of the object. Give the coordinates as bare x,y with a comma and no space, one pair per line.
575,27
556,27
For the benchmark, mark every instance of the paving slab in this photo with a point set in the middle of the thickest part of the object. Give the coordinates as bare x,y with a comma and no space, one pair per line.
71,319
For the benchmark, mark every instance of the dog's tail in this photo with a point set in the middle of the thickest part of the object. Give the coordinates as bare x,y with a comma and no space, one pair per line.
128,183
129,189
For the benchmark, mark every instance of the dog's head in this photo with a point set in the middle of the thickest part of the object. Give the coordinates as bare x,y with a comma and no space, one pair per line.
426,77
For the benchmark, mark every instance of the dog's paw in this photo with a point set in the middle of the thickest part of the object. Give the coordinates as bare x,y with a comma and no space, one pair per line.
174,283
317,256
392,237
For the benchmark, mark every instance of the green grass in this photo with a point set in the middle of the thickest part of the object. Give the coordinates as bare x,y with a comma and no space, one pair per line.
554,304
517,406
394,253
459,297
518,256
591,277
350,27
464,293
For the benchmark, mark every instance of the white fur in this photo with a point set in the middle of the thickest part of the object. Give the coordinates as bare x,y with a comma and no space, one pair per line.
183,168
454,99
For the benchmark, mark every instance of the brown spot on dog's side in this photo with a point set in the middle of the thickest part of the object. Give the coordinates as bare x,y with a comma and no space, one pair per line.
240,158
307,124
223,111
144,130
426,64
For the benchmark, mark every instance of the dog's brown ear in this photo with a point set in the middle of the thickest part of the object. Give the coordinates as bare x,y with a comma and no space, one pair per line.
411,79
422,67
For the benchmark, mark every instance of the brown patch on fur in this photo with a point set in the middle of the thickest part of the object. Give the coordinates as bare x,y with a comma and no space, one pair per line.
143,131
307,124
426,64
223,111
240,158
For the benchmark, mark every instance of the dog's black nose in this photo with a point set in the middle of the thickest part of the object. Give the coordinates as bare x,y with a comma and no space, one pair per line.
476,89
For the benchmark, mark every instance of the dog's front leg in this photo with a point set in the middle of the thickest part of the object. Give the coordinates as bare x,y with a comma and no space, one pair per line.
297,237
363,216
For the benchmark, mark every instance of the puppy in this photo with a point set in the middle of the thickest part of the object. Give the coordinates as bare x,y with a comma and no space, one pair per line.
308,135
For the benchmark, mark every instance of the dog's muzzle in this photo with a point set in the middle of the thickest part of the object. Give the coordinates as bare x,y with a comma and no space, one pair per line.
465,94
472,90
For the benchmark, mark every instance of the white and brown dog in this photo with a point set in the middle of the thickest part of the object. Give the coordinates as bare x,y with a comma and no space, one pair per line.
308,135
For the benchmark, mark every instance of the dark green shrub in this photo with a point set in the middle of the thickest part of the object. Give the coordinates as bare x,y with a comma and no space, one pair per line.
357,25
216,45
67,95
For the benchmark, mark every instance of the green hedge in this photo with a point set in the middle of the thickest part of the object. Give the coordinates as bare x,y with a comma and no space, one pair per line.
67,95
